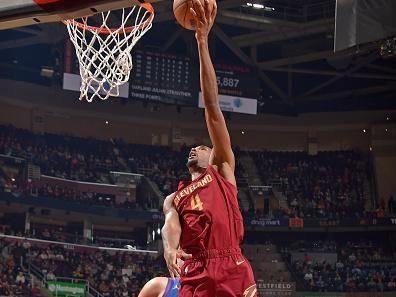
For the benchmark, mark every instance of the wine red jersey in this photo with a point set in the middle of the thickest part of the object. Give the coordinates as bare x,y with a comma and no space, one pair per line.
209,213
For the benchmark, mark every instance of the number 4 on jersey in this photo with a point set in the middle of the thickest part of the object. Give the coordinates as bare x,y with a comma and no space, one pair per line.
196,203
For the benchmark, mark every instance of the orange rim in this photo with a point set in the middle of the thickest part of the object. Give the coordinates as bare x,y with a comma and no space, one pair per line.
146,6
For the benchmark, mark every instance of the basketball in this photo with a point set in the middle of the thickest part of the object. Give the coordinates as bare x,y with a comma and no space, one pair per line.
183,15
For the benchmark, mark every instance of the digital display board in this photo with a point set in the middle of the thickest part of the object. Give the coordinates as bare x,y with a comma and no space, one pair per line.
163,77
173,79
236,80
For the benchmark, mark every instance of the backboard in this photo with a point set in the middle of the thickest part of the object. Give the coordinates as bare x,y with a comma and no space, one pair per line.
18,13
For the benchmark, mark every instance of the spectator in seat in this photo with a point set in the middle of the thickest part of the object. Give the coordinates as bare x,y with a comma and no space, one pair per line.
339,265
392,284
4,289
338,283
320,284
51,275
352,258
20,279
380,285
350,284
308,276
372,285
104,288
308,259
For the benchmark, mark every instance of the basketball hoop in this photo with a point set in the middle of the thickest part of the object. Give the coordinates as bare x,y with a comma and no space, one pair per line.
104,51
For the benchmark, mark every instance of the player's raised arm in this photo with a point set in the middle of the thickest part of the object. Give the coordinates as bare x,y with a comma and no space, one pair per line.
171,232
222,152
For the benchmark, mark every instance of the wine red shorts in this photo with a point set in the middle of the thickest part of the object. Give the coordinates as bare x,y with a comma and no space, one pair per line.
218,273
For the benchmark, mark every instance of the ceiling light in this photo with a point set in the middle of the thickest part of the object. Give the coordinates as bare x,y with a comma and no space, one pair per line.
267,8
258,6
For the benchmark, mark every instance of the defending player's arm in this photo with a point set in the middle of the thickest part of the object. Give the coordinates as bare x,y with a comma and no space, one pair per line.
171,232
222,154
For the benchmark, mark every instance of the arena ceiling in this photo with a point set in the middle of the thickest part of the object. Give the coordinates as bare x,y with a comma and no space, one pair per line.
289,42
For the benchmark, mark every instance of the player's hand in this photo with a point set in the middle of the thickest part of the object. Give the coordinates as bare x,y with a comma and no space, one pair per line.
171,256
204,16
183,255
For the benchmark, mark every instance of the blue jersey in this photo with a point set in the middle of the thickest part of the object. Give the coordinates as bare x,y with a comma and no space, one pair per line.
172,288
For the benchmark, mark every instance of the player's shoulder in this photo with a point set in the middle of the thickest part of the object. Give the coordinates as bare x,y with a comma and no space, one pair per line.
225,171
169,198
168,202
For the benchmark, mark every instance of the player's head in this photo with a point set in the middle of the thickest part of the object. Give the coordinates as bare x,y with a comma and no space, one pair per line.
198,157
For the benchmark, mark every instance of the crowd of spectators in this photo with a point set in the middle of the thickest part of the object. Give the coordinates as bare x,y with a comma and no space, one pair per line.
91,160
362,266
329,184
14,279
343,266
112,273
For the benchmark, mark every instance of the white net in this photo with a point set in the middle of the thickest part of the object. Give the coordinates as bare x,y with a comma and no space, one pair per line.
104,53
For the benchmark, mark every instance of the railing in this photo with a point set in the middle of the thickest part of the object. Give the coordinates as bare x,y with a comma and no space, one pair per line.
71,280
72,246
260,188
12,159
144,171
34,270
93,292
113,242
125,178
